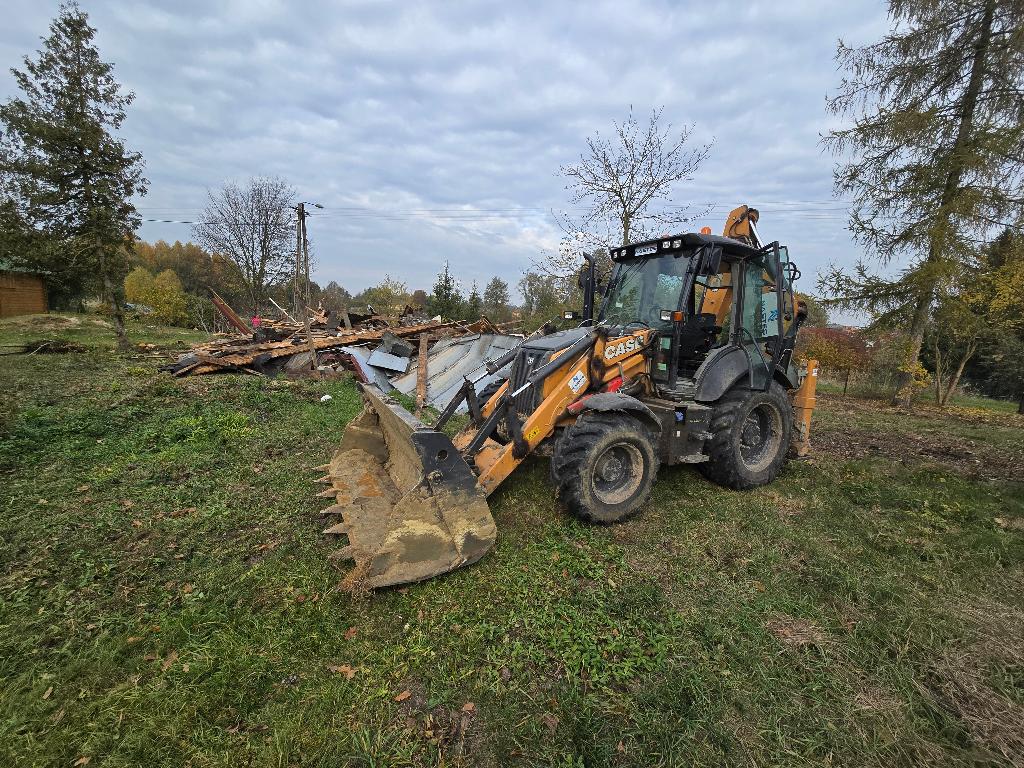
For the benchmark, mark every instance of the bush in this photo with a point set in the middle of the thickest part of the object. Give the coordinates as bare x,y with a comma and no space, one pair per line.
162,294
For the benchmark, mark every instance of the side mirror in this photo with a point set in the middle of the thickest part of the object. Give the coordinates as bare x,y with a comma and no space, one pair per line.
711,260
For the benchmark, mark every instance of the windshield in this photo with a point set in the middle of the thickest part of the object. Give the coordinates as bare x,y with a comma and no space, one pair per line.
644,287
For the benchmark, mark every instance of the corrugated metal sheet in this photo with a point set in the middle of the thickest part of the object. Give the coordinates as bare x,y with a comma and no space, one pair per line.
360,356
381,359
451,360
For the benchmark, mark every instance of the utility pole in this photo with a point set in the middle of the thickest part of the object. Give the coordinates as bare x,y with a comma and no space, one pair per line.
300,213
301,294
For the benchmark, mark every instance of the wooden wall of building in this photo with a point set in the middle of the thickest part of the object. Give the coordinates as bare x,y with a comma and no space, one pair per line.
21,294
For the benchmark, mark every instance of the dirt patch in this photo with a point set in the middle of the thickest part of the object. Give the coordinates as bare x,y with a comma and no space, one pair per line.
958,454
796,633
43,322
453,731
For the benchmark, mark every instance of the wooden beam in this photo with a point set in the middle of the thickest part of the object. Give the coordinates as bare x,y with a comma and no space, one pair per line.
421,373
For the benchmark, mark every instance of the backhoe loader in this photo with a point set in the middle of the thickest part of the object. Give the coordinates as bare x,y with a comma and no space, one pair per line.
687,361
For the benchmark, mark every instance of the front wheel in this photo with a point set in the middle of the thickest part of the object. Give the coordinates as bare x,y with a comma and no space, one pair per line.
605,464
750,434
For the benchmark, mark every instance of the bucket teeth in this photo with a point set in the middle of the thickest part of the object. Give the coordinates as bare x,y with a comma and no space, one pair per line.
336,509
325,479
322,468
338,529
330,493
345,553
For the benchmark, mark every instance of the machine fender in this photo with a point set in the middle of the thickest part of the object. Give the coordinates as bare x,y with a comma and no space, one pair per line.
719,372
616,401
788,378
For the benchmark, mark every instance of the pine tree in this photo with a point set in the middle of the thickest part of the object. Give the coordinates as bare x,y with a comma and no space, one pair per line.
937,145
496,300
73,178
446,299
474,304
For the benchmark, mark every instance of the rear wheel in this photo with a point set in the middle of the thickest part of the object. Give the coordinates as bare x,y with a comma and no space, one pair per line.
605,464
750,434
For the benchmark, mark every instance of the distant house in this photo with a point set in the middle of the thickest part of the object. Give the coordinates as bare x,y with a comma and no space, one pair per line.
21,292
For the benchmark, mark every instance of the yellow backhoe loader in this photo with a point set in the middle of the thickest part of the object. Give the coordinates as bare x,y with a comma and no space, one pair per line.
688,361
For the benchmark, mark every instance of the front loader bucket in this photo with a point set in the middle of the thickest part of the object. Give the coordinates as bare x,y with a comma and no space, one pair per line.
407,499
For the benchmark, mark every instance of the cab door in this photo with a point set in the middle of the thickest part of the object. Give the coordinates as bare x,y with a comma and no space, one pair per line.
760,307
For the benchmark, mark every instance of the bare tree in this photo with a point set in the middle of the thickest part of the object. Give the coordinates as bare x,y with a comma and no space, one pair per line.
254,227
625,184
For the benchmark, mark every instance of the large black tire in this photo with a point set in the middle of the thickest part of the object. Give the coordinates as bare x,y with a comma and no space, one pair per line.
488,392
485,394
750,434
606,464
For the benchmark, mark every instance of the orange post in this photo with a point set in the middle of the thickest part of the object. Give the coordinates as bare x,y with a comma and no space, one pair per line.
803,408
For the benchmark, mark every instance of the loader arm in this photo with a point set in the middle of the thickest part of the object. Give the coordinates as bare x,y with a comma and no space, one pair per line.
586,371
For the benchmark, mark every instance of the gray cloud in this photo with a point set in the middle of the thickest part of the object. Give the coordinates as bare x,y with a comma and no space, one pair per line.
433,131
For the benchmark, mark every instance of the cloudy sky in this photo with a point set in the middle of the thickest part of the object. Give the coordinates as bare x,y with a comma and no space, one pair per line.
434,131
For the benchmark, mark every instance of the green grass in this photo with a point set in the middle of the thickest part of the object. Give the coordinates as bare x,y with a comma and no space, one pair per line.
959,399
166,597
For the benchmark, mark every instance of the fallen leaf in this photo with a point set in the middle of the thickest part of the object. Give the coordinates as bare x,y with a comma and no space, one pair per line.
469,706
48,692
187,589
758,585
150,657
350,633
127,504
620,748
169,661
555,557
90,626
403,696
136,523
82,488
551,721
81,761
342,669
59,716
185,667
234,728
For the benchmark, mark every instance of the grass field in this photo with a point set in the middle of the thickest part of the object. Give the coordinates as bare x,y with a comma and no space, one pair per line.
166,599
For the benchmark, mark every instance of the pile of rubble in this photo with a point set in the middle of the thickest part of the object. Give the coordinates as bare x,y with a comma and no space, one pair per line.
392,355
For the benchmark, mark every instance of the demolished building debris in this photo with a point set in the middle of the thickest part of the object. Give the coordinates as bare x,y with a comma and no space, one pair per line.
376,350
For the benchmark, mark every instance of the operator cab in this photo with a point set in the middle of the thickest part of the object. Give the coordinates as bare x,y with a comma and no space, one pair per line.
684,287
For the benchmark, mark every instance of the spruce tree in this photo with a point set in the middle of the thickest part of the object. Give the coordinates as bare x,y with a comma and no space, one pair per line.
933,157
474,304
63,166
446,299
